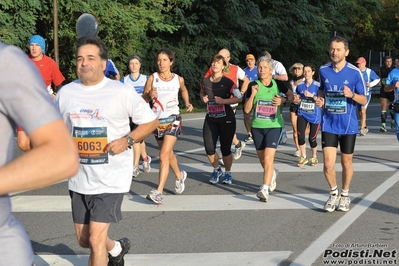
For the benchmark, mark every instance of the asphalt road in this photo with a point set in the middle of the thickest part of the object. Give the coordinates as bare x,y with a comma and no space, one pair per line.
227,225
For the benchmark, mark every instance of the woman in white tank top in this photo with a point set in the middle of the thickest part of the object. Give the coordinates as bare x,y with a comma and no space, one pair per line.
162,91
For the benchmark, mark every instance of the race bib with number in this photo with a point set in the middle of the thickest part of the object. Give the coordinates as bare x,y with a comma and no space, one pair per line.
168,124
265,110
90,142
336,102
307,105
215,110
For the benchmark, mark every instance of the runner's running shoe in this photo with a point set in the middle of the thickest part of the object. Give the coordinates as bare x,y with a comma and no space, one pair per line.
215,176
263,194
344,202
179,184
155,196
228,179
238,151
118,260
147,165
331,202
302,161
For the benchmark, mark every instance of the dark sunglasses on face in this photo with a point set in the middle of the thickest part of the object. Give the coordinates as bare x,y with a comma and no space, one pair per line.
297,68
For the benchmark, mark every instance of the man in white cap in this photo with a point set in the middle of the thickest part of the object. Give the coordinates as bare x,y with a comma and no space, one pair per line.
370,79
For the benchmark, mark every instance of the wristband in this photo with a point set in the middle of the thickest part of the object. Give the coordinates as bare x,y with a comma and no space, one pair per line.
353,95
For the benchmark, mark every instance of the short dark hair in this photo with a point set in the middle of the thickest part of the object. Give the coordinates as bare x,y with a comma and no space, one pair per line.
95,41
340,39
309,66
218,57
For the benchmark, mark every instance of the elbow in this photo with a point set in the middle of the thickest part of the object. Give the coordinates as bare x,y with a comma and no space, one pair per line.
70,164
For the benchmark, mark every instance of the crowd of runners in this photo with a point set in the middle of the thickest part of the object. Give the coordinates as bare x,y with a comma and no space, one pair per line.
109,115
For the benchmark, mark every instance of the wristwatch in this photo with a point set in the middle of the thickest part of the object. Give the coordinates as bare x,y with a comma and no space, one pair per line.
130,141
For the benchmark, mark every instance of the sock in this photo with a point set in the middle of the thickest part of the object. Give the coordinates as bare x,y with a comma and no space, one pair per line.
116,250
145,159
345,193
266,187
383,117
137,166
227,172
334,190
217,169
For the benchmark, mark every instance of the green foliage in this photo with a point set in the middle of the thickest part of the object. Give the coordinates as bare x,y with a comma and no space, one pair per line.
291,30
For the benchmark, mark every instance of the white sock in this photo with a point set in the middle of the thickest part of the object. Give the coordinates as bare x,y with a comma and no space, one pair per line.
345,193
116,250
265,187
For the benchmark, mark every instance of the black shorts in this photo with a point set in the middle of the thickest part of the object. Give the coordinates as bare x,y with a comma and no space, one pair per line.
346,142
133,126
387,95
103,208
293,108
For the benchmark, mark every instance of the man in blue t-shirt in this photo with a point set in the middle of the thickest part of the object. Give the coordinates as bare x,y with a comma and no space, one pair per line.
392,84
111,70
341,90
251,72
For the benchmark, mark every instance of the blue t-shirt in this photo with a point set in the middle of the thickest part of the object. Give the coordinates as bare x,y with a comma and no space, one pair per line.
307,107
339,116
392,78
111,69
252,75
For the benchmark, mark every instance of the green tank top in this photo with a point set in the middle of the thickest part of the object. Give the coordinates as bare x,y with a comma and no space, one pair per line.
265,115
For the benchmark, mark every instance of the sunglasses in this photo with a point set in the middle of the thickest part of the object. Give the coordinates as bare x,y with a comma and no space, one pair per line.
297,68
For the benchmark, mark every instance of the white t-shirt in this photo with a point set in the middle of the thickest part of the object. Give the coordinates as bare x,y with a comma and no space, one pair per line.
279,69
97,115
166,103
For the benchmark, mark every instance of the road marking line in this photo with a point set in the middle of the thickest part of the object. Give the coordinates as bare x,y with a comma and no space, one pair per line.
139,203
317,248
282,167
176,259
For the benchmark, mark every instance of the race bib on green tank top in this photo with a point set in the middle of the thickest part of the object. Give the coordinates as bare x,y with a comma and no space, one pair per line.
265,114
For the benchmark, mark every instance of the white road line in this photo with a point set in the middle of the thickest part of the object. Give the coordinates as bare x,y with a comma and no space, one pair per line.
138,203
180,259
317,248
282,167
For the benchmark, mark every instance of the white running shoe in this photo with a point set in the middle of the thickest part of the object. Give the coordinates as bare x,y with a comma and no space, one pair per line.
238,151
331,202
136,172
155,196
147,164
179,184
263,194
343,204
273,184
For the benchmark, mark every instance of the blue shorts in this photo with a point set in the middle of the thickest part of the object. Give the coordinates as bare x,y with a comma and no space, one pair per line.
266,137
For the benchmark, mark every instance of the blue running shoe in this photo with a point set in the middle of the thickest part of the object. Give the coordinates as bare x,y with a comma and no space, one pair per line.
228,179
215,176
